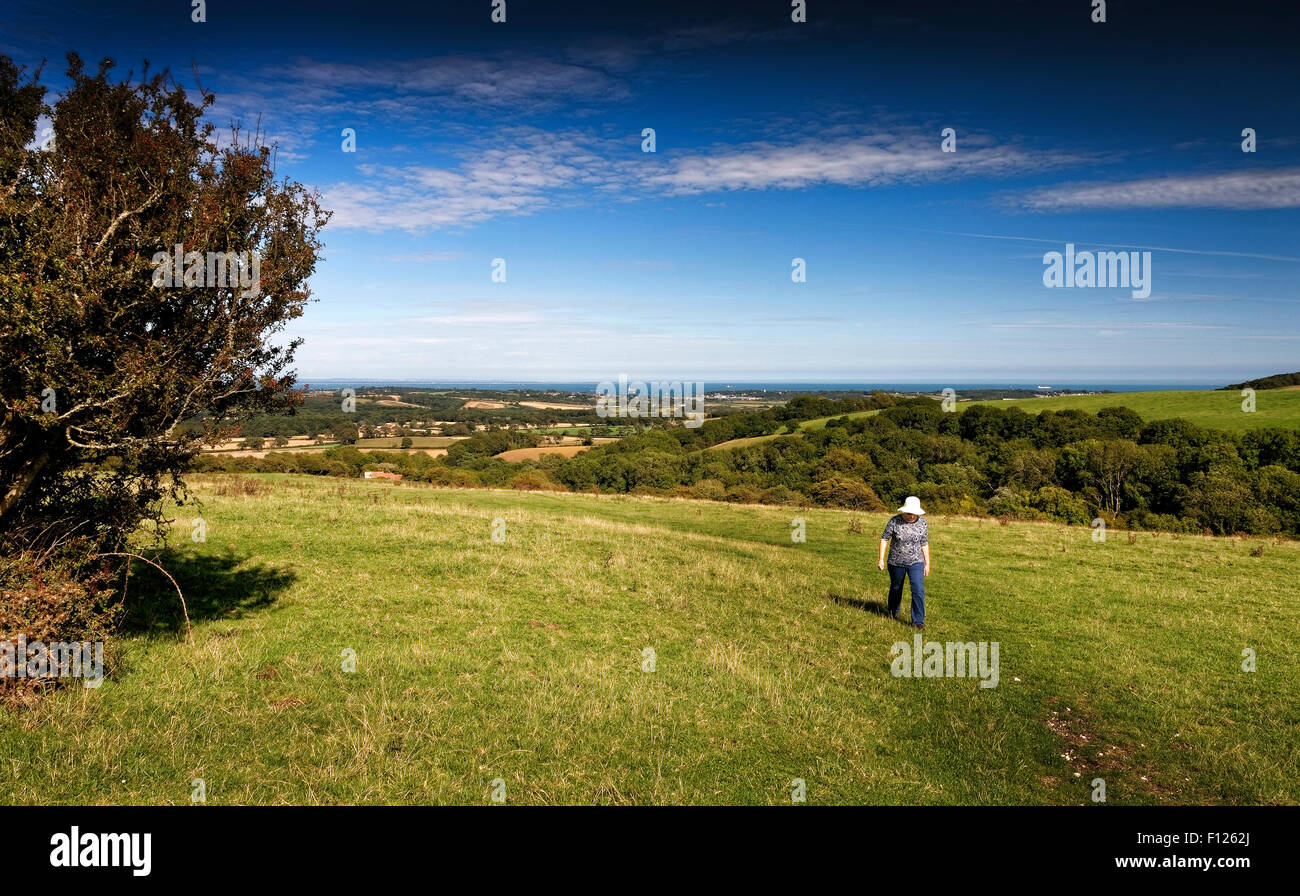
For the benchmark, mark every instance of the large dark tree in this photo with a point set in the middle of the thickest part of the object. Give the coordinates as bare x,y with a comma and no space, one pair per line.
98,362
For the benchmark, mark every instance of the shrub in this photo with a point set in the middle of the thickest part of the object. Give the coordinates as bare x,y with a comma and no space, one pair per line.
1058,504
847,493
744,493
450,476
533,480
1166,522
1009,503
781,495
948,499
51,599
709,490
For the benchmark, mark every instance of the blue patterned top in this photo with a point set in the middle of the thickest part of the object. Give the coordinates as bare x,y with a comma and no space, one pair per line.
905,540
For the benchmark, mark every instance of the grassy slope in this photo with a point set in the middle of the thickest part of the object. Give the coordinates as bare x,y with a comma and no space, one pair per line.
805,426
820,422
1216,410
522,660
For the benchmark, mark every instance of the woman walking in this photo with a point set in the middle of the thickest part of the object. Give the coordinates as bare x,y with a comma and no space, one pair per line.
908,537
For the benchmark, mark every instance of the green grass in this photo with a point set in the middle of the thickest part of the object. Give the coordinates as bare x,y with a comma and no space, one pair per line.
270,446
743,443
1214,410
820,422
522,660
805,426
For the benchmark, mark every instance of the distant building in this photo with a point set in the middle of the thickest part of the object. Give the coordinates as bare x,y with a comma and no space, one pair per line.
380,474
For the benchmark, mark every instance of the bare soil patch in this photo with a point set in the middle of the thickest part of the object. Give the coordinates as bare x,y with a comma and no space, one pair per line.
518,454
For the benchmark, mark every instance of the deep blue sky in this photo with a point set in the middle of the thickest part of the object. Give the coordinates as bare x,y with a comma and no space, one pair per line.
776,140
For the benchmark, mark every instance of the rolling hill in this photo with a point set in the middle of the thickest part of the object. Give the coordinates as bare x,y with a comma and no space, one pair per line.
612,649
1213,410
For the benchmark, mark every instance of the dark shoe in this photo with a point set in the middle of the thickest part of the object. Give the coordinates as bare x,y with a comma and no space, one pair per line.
918,625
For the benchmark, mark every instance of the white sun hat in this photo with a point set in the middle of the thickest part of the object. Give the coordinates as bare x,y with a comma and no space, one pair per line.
912,505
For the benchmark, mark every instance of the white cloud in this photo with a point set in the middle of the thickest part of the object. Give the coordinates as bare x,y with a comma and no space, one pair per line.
1109,326
1081,242
520,170
1237,190
868,160
537,82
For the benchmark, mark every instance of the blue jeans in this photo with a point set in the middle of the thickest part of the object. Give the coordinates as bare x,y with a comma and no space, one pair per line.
916,575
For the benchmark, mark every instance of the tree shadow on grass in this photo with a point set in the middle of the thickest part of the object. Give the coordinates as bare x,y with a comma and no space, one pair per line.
215,587
878,607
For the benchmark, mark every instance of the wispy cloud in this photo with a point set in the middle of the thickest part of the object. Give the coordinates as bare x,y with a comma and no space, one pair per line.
383,93
461,81
519,170
1110,326
1121,245
865,160
1274,189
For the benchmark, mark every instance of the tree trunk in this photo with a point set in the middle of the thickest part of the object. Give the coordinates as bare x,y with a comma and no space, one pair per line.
26,475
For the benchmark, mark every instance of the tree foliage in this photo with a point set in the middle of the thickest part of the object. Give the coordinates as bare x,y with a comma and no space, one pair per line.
100,362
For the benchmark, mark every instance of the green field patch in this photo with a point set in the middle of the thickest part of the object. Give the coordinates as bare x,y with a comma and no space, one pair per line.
522,659
1213,410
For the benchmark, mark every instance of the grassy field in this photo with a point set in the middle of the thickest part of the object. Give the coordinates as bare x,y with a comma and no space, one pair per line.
820,422
805,426
525,660
600,431
515,455
743,443
416,442
1214,410
268,448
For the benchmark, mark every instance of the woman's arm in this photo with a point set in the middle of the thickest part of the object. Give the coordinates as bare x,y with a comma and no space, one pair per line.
881,564
925,550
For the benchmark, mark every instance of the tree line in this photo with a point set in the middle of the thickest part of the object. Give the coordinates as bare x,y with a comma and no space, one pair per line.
1067,466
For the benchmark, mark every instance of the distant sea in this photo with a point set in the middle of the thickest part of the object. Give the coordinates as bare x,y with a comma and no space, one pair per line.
740,386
